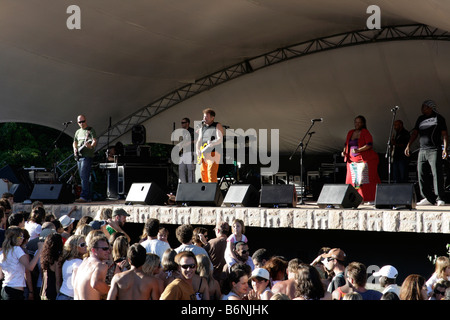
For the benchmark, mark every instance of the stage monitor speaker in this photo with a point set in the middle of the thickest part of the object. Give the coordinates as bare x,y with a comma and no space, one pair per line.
19,192
278,195
199,194
52,193
241,195
138,134
146,193
339,196
395,196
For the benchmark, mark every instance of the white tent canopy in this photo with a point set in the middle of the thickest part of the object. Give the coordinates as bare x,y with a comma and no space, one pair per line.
129,54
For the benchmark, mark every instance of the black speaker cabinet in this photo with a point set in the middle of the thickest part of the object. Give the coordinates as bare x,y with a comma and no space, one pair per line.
278,195
146,193
19,192
52,193
138,134
339,196
199,194
395,196
241,195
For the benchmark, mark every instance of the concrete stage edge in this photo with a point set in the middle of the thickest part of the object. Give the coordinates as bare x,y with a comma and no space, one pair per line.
403,238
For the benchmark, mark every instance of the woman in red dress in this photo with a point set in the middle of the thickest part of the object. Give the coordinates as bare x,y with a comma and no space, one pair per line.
362,160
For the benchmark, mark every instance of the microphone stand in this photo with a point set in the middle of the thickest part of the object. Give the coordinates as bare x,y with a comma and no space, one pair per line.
300,145
55,144
388,154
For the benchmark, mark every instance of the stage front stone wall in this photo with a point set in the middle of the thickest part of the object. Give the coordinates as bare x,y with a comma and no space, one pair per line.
300,218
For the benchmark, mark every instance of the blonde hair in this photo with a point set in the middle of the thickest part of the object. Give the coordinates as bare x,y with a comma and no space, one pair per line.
241,222
352,296
442,263
70,249
152,262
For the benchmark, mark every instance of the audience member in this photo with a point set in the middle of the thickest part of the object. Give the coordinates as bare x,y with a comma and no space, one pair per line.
260,257
116,224
216,248
51,266
16,219
34,224
14,261
442,271
237,235
182,288
236,285
288,286
277,268
73,251
439,289
134,284
152,244
413,288
261,285
309,284
184,235
169,270
90,277
67,224
356,282
334,262
205,271
388,275
200,236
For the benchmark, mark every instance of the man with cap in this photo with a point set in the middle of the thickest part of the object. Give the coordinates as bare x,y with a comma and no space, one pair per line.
432,130
388,275
67,224
334,261
119,218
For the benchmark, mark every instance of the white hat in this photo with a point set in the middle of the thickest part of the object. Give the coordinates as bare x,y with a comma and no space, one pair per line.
261,273
387,271
66,221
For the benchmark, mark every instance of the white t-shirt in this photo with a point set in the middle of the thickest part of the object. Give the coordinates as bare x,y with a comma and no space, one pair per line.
155,246
33,228
13,270
67,272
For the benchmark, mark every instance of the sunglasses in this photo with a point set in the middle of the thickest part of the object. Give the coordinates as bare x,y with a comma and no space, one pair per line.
82,245
103,248
187,266
245,251
183,122
439,292
82,121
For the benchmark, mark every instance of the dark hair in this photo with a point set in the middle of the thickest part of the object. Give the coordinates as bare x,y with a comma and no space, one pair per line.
137,255
15,218
53,247
358,272
184,233
210,111
363,119
308,283
38,215
187,120
152,227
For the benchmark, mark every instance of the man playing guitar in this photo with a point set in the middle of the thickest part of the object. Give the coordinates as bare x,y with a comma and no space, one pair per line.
84,142
210,136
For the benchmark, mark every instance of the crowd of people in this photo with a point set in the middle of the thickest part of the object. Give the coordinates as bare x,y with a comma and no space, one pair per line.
45,258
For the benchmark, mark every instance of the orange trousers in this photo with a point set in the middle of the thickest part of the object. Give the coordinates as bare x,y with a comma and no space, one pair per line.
209,167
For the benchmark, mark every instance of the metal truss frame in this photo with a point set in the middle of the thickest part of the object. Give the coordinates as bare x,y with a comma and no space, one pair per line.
367,36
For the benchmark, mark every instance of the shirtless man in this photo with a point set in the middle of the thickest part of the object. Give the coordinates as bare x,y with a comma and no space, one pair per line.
89,278
134,284
288,286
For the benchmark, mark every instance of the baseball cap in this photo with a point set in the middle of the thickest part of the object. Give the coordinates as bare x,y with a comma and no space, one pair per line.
387,271
335,253
261,273
46,232
120,212
96,225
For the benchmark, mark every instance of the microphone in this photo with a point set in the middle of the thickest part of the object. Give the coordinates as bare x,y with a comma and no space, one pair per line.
66,123
318,119
395,108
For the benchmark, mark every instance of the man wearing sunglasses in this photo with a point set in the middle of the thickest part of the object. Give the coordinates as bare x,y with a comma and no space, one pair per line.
84,143
90,278
181,288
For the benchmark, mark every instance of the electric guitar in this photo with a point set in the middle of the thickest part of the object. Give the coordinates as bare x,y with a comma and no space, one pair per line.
203,149
77,155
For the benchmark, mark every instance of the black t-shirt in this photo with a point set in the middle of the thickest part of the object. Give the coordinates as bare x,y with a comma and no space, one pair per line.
430,130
